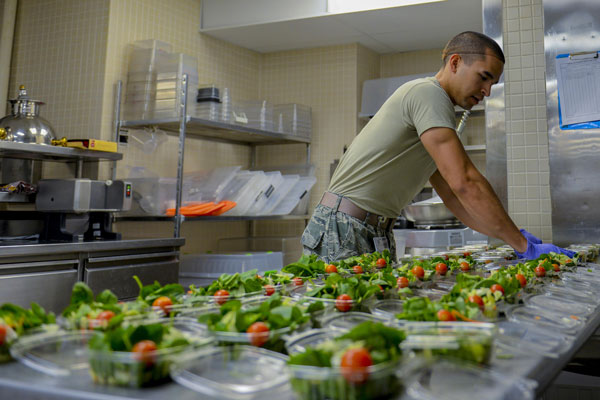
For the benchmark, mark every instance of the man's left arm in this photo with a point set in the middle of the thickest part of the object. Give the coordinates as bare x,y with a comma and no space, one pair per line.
451,201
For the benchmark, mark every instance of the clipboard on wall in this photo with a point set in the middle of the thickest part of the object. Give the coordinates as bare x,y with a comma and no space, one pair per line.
578,80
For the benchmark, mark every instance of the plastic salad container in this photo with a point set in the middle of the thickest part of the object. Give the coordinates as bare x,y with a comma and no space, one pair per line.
233,372
387,308
347,321
55,353
541,318
447,380
469,342
531,339
261,322
555,305
299,342
572,293
149,366
380,380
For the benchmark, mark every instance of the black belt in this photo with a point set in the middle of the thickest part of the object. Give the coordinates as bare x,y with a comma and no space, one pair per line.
347,207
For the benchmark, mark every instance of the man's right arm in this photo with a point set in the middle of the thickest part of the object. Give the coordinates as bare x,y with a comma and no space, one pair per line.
470,187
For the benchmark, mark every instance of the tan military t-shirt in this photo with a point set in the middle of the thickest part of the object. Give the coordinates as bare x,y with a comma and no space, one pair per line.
386,165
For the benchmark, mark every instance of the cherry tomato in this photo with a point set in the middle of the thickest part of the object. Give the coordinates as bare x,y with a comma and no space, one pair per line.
522,280
445,315
298,281
402,282
2,334
556,267
330,269
466,253
258,333
354,364
446,257
441,268
357,269
496,287
464,266
418,271
540,271
381,263
221,296
476,300
343,302
164,303
144,351
269,290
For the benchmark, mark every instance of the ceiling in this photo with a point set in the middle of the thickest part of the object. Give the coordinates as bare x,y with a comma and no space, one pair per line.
391,30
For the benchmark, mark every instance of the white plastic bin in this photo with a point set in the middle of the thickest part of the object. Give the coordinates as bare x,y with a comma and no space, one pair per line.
289,181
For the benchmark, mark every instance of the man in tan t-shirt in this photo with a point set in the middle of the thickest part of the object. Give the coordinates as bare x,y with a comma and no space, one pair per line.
411,140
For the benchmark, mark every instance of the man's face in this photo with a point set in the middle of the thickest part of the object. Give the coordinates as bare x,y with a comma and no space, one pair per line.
474,81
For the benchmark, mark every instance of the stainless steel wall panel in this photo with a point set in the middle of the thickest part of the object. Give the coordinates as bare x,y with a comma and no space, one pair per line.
569,27
495,133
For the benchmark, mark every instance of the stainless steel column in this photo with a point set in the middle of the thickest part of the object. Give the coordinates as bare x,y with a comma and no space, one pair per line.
495,132
569,27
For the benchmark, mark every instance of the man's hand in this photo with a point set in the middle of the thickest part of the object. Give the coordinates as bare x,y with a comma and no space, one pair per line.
530,237
535,250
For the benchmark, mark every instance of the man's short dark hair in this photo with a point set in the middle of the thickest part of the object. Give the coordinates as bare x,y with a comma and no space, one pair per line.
471,46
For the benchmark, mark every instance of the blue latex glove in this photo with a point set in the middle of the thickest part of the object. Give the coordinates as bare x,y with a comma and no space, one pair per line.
530,237
534,250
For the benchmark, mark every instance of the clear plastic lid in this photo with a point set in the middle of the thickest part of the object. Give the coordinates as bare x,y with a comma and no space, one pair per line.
471,342
531,339
563,306
387,308
347,321
573,293
56,353
237,372
540,318
447,380
298,342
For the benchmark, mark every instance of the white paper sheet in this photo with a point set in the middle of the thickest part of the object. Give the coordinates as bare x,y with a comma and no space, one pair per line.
579,88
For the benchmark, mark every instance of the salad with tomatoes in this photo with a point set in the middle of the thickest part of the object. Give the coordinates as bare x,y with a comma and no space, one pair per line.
138,355
261,324
102,312
360,364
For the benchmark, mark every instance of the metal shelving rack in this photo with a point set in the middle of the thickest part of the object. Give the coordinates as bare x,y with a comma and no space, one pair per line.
185,126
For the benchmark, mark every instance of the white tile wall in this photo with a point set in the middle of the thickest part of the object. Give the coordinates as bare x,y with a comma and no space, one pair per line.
526,125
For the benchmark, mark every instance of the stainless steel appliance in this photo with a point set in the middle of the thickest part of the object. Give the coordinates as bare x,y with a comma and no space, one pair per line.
78,209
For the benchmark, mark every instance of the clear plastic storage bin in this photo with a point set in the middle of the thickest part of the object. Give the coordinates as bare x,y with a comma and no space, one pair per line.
207,185
293,119
253,113
203,269
289,246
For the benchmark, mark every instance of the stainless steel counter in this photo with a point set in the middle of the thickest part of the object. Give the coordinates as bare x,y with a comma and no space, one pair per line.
18,381
25,248
46,273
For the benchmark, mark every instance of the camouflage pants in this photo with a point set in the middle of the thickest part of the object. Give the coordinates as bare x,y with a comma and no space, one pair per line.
335,236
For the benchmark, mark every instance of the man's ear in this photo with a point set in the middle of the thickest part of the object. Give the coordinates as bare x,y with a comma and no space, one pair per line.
453,62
